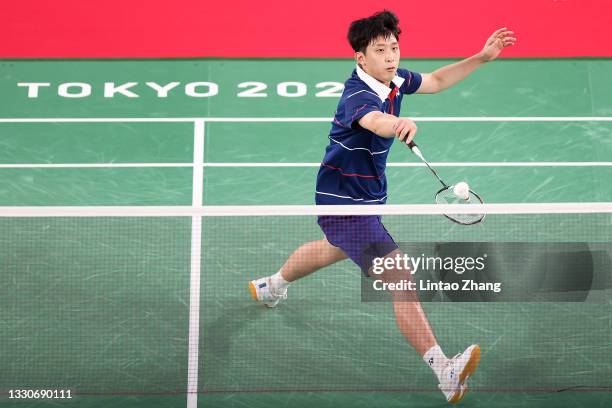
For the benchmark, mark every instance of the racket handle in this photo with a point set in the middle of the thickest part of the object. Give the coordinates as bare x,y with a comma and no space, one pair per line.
415,149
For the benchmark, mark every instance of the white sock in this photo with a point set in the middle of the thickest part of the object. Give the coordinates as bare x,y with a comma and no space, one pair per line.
435,358
278,282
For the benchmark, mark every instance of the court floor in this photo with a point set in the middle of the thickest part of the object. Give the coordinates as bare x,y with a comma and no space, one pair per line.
104,305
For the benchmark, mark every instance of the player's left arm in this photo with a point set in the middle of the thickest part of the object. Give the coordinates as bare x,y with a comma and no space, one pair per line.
449,75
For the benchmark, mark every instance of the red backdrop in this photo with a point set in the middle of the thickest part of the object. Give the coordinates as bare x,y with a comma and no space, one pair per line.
312,28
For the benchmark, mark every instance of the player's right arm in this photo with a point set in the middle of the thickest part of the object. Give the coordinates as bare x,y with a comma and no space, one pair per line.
386,125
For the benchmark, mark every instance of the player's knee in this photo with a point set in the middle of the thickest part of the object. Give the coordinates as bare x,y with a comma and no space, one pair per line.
395,275
390,273
390,268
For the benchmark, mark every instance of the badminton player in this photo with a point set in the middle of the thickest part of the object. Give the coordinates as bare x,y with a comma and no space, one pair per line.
365,124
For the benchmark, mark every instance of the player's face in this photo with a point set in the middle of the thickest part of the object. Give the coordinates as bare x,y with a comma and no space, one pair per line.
381,59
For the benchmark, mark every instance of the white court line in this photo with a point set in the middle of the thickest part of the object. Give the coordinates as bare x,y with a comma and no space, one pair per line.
312,164
316,119
89,165
300,210
196,249
436,164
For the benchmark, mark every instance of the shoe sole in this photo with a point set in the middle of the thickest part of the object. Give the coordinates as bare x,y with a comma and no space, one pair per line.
470,367
253,291
459,395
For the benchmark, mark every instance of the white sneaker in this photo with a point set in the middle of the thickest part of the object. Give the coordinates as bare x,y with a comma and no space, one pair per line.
456,373
263,292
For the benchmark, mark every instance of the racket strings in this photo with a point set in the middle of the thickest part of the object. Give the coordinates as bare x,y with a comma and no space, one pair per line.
446,196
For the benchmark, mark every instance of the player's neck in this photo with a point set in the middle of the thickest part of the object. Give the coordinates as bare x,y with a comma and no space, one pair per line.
388,84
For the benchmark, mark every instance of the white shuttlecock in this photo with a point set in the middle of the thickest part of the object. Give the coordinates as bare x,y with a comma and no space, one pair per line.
462,190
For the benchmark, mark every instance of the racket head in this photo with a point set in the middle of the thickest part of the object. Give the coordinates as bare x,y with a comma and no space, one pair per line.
446,196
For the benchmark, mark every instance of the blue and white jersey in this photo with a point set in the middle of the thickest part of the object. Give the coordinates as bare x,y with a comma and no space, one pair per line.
353,169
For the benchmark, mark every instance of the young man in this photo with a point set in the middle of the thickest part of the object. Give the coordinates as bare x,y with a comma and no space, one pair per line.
353,172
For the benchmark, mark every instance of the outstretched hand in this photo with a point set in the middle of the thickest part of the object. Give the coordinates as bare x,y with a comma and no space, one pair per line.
499,40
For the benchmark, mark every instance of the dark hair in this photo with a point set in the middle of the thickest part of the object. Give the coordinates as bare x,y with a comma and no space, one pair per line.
362,32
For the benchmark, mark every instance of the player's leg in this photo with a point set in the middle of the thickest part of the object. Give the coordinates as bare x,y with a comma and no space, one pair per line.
305,260
409,315
414,326
309,258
